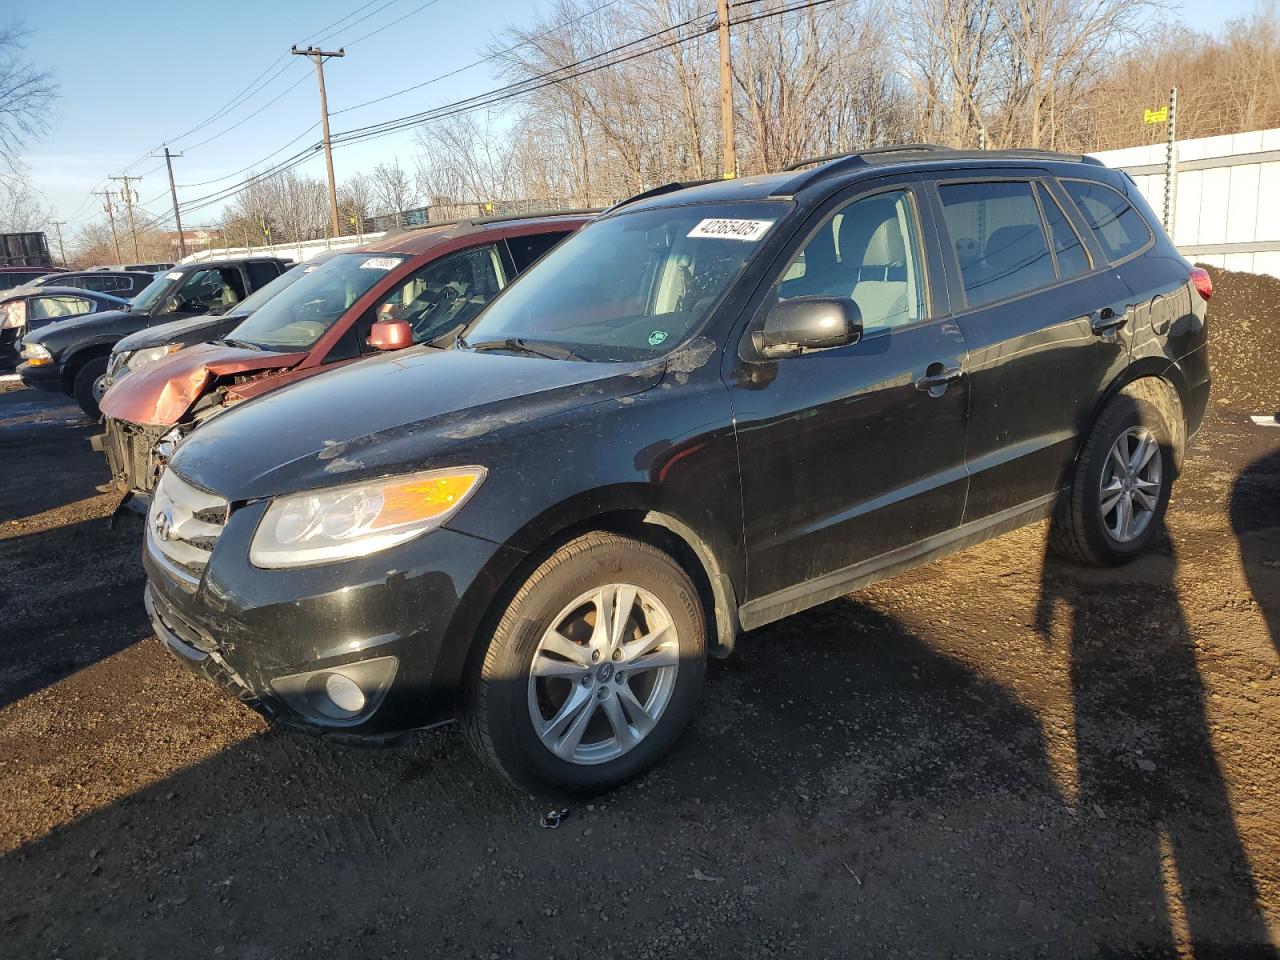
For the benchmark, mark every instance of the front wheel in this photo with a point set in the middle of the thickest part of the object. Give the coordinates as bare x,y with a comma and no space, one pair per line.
1120,488
90,385
593,671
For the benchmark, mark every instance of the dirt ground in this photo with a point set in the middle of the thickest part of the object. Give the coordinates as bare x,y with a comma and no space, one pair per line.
997,755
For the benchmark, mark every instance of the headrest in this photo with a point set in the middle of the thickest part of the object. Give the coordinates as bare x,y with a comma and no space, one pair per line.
1012,247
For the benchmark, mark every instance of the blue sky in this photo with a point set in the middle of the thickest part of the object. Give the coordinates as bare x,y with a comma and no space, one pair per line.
137,73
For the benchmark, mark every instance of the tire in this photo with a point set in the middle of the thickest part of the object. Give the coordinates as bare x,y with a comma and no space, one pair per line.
565,591
82,387
1081,531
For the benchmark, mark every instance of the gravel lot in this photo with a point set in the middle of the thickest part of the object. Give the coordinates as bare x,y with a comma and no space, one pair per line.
998,755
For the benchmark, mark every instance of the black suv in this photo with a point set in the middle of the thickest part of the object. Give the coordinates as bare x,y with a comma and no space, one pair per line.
72,356
711,408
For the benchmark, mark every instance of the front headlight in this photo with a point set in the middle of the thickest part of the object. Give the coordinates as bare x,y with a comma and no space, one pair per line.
137,359
35,352
355,520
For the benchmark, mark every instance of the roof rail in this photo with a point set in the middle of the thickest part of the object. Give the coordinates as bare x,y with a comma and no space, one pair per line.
497,218
869,152
840,162
671,187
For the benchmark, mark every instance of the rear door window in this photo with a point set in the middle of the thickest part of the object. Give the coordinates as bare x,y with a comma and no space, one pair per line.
56,308
1070,253
1119,228
261,273
526,250
999,239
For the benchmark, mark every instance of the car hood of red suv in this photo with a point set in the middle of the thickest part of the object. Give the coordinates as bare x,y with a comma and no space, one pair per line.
162,392
399,412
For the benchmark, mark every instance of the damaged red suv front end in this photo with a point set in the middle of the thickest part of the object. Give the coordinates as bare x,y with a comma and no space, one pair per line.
416,287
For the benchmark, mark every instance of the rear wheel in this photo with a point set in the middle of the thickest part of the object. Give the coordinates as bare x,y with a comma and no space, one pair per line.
593,671
89,386
1120,488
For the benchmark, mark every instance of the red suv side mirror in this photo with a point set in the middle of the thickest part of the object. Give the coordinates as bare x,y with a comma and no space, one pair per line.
391,335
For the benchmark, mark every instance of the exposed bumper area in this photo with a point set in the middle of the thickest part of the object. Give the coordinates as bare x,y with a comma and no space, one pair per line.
362,650
131,455
42,377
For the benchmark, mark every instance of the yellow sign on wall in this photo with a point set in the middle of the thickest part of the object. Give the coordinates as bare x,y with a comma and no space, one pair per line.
1156,116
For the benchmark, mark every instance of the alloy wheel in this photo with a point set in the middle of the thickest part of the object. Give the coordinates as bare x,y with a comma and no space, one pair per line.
1129,490
603,674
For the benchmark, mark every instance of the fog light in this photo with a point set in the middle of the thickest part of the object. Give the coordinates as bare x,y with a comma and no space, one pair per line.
338,696
345,693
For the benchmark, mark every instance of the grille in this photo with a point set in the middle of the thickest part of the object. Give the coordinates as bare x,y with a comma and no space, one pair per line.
183,525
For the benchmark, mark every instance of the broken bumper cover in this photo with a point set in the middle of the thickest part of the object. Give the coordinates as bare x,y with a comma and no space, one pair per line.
131,452
273,638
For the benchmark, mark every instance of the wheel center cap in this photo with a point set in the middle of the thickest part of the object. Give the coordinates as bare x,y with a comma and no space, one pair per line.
605,673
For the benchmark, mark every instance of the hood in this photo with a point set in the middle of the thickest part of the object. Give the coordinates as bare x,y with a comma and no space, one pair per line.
398,412
191,330
160,393
59,333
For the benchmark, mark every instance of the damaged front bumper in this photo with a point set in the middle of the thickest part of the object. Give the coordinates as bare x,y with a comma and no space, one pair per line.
136,453
361,650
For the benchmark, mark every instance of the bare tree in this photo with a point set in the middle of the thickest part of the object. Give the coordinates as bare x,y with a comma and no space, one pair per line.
22,207
26,94
355,202
393,188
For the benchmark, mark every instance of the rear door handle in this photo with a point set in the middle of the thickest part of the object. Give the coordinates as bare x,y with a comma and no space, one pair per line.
935,383
1108,319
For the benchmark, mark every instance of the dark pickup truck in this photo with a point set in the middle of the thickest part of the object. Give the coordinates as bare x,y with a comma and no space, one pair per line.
71,356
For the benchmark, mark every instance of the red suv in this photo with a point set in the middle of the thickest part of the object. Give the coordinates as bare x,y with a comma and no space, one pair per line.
420,287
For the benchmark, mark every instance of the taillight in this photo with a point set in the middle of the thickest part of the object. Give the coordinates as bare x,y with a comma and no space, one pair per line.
1203,282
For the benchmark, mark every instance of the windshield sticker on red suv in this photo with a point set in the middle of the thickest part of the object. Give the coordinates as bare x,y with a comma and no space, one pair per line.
379,263
748,230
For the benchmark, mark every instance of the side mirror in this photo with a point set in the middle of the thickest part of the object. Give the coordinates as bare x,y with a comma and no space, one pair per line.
804,324
391,335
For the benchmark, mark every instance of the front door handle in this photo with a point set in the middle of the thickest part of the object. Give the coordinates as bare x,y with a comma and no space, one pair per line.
936,379
1108,319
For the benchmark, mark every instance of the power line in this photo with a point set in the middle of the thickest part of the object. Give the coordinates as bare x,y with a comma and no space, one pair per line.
334,33
580,68
479,101
485,59
392,23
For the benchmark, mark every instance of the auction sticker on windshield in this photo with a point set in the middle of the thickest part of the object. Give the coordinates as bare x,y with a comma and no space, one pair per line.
379,263
748,230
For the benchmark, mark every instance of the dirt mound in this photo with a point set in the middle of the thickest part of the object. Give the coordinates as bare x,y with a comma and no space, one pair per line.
1244,324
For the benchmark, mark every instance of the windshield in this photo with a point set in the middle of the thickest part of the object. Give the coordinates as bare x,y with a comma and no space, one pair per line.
296,318
632,286
155,292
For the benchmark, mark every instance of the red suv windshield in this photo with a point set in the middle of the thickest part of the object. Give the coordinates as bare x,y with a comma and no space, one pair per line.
298,316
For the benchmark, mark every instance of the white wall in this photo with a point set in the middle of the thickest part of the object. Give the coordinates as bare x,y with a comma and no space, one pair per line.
1226,210
299,252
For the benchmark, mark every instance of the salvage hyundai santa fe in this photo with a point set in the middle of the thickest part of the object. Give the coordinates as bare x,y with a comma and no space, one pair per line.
711,408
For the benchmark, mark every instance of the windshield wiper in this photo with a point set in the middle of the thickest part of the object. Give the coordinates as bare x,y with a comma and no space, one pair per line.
242,344
521,345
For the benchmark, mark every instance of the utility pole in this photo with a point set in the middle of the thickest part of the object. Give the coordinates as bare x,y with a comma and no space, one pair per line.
173,192
57,227
1171,162
726,93
129,195
318,55
111,215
